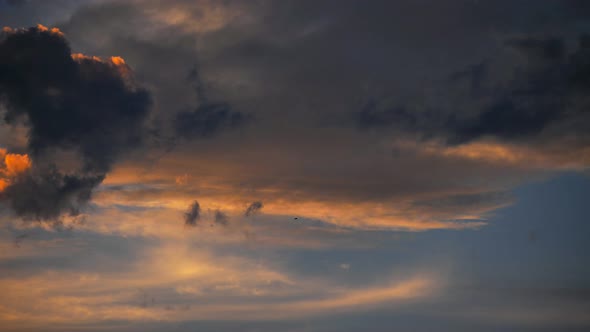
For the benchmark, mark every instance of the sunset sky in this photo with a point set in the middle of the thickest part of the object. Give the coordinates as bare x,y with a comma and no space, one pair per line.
294,165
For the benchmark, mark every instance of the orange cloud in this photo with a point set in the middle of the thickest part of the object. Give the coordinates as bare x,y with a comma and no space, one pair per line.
117,61
39,27
79,57
16,163
547,157
114,60
11,165
42,28
54,31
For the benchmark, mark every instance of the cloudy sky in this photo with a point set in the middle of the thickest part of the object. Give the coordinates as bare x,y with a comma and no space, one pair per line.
218,165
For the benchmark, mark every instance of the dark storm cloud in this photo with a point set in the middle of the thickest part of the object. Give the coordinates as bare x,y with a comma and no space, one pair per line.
84,105
545,88
68,102
253,208
193,214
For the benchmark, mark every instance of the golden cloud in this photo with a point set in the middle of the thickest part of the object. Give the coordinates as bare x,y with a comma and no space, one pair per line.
11,166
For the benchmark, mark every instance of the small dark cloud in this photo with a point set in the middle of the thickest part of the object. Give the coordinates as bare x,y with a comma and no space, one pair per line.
76,103
253,208
221,218
207,120
193,215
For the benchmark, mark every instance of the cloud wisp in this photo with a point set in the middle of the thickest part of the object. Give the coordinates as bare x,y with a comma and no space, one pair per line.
253,209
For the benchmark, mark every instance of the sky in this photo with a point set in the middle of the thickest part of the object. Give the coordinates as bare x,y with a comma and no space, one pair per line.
399,165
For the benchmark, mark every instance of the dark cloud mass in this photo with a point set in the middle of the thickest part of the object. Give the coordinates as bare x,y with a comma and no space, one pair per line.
545,89
68,102
46,195
253,208
193,215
